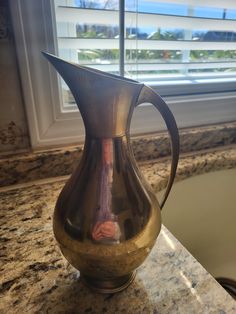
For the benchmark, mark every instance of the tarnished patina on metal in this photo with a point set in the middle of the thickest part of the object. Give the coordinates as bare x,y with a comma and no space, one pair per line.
107,218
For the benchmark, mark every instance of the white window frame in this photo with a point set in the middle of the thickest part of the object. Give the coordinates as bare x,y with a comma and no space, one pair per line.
50,125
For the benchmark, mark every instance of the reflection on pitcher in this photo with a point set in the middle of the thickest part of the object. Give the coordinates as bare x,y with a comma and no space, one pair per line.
105,227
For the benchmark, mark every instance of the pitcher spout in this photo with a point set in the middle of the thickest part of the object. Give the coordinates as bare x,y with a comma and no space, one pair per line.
105,101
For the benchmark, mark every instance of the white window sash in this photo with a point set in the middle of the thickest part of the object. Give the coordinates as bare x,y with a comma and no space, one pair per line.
51,125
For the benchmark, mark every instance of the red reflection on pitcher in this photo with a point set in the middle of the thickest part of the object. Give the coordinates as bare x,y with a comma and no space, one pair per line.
106,229
105,225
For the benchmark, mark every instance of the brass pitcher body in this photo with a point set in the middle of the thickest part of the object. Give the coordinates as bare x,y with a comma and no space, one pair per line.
107,218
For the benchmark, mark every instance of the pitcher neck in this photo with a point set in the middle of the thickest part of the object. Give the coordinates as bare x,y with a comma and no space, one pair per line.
105,101
107,151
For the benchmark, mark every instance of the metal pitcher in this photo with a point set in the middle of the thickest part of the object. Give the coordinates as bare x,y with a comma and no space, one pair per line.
107,218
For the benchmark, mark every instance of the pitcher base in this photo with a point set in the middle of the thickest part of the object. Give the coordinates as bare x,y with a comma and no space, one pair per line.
112,285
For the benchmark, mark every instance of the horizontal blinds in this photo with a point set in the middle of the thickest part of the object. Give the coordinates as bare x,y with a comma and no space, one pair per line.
158,44
229,4
103,17
144,66
94,43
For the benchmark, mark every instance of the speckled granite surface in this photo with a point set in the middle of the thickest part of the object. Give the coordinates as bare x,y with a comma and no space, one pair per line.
35,278
58,162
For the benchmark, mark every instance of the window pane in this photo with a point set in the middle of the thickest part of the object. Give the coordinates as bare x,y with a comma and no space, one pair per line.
81,25
193,44
164,41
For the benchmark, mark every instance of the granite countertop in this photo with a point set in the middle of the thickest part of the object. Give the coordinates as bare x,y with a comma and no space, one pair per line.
56,162
35,278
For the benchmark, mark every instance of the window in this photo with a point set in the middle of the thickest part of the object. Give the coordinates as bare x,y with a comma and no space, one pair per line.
185,51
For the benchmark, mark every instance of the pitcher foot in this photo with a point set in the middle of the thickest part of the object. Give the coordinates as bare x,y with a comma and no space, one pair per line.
112,285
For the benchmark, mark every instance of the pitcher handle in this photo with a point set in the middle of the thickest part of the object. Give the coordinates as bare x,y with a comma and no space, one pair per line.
148,95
